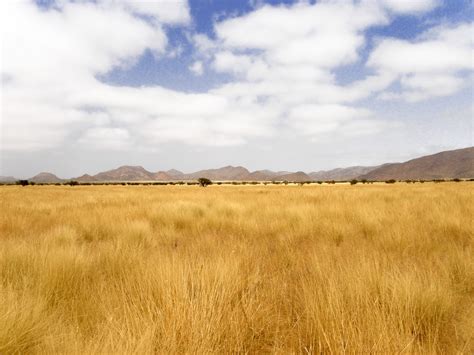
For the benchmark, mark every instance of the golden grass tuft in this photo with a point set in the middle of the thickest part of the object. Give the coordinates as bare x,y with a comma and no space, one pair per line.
172,269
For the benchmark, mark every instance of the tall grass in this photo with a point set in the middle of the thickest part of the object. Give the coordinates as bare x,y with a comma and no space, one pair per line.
332,269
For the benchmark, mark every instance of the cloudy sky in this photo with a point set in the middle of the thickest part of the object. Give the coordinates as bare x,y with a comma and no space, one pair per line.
286,85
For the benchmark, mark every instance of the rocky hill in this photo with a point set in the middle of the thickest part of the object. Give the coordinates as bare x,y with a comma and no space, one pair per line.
451,164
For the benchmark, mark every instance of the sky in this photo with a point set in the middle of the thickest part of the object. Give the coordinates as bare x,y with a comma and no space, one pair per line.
88,86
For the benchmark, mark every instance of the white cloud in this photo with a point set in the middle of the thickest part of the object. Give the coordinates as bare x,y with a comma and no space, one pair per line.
284,73
197,68
105,138
52,55
292,66
442,49
429,66
411,6
327,34
164,11
316,119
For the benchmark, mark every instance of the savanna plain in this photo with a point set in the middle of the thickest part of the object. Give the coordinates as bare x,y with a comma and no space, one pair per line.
379,268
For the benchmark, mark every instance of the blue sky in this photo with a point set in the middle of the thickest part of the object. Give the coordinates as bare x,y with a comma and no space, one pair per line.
284,85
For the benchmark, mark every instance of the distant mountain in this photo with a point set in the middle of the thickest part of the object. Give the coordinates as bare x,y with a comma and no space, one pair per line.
298,176
225,173
7,179
261,175
125,173
45,178
85,178
457,163
341,174
174,173
444,165
162,176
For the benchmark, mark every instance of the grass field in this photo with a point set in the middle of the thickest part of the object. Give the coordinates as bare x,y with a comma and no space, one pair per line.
144,269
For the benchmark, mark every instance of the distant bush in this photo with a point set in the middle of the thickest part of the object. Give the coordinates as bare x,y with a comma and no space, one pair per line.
319,182
391,181
330,182
203,182
457,180
364,181
354,181
285,182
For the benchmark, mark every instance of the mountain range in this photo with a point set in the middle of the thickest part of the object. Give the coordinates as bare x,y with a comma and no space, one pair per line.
457,163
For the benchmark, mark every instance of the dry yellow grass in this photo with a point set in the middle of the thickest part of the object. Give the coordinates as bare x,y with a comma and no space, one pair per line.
333,269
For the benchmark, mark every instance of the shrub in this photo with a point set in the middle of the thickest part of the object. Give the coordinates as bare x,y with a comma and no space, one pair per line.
364,181
391,181
203,182
354,181
456,180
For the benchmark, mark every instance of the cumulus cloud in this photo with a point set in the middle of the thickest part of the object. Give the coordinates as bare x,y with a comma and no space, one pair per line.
197,68
284,74
105,138
410,6
431,65
292,67
49,56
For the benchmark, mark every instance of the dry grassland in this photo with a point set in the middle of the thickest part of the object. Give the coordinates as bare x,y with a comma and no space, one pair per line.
172,269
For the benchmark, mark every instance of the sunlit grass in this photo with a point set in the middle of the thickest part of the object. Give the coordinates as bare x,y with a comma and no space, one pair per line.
333,269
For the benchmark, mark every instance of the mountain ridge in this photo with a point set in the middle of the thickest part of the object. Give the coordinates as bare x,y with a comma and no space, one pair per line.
458,163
